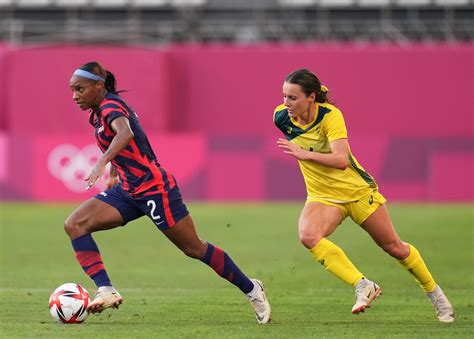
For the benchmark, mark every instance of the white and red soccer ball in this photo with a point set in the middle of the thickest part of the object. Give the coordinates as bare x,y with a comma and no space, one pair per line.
68,303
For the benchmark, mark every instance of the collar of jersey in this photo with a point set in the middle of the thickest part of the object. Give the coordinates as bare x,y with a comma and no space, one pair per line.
304,127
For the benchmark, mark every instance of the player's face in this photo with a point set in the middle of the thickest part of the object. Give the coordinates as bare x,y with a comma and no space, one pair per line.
85,93
296,100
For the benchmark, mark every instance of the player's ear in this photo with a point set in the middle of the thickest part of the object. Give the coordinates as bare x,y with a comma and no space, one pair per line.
99,84
312,96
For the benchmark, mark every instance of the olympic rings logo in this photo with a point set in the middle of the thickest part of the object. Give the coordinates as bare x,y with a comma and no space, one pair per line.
72,165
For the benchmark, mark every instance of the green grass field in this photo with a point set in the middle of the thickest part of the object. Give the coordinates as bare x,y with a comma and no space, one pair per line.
169,295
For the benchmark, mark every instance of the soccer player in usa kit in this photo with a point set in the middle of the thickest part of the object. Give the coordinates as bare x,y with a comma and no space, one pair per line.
337,187
138,186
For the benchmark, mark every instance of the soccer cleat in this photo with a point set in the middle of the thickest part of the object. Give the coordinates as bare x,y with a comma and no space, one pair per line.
366,292
105,299
259,302
442,306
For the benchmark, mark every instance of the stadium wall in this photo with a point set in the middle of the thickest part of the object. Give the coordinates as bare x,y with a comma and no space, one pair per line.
208,111
3,96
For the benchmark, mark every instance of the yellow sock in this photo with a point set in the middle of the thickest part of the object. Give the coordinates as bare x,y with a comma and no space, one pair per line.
416,266
333,258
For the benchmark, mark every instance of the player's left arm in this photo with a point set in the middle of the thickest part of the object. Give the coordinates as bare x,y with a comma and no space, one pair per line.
338,158
124,134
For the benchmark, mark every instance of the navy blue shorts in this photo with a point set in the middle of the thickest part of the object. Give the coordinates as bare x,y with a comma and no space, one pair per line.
164,209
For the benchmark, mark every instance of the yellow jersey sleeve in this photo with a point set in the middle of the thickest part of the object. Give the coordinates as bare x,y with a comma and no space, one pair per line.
278,118
334,125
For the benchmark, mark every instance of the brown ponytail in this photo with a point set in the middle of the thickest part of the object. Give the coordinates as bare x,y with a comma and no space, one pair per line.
309,83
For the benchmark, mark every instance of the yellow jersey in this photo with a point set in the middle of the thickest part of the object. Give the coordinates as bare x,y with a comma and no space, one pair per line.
321,181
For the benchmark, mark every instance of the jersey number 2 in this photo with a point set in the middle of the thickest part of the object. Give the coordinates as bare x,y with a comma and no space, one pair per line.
153,208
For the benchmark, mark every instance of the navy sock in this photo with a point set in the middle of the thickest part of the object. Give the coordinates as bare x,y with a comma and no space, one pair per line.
88,255
223,265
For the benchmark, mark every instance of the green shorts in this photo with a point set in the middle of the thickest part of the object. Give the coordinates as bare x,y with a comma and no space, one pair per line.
358,210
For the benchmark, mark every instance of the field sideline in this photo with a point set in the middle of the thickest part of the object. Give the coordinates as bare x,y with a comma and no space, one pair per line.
169,295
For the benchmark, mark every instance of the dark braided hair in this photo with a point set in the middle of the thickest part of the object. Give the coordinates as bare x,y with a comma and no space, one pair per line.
309,83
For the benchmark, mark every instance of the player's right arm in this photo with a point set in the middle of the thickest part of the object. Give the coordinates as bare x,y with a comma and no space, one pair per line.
337,136
338,158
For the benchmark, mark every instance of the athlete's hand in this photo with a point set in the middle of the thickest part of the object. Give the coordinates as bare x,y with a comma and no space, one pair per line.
95,175
292,149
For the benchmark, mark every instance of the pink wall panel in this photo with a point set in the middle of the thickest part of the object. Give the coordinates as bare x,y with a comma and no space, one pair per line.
370,153
61,163
235,176
404,190
452,178
183,154
392,90
3,94
411,91
208,112
40,99
4,148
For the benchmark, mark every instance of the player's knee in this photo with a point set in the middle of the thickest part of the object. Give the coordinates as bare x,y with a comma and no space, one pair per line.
309,239
69,226
193,252
396,249
75,227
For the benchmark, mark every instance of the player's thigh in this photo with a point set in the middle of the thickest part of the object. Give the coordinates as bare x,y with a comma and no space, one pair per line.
183,234
94,215
381,229
169,213
319,220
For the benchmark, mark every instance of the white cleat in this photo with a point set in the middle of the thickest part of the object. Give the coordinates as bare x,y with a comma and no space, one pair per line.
105,299
442,306
366,292
259,302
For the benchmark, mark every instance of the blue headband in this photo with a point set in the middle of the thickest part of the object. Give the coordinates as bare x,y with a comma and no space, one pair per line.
88,75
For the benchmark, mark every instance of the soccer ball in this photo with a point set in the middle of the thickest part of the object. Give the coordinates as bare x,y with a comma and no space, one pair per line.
68,303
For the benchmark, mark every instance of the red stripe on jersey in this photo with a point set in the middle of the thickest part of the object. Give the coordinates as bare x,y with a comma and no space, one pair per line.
144,161
105,102
130,155
145,186
122,175
151,192
170,179
103,141
135,171
166,207
217,260
105,122
106,111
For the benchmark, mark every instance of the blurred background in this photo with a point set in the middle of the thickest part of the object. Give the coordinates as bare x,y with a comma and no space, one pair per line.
204,77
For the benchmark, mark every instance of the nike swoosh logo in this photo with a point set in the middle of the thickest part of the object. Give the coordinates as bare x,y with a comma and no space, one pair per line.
261,288
260,318
159,223
370,293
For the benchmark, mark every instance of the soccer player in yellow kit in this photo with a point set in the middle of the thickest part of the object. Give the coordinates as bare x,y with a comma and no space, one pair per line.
338,187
